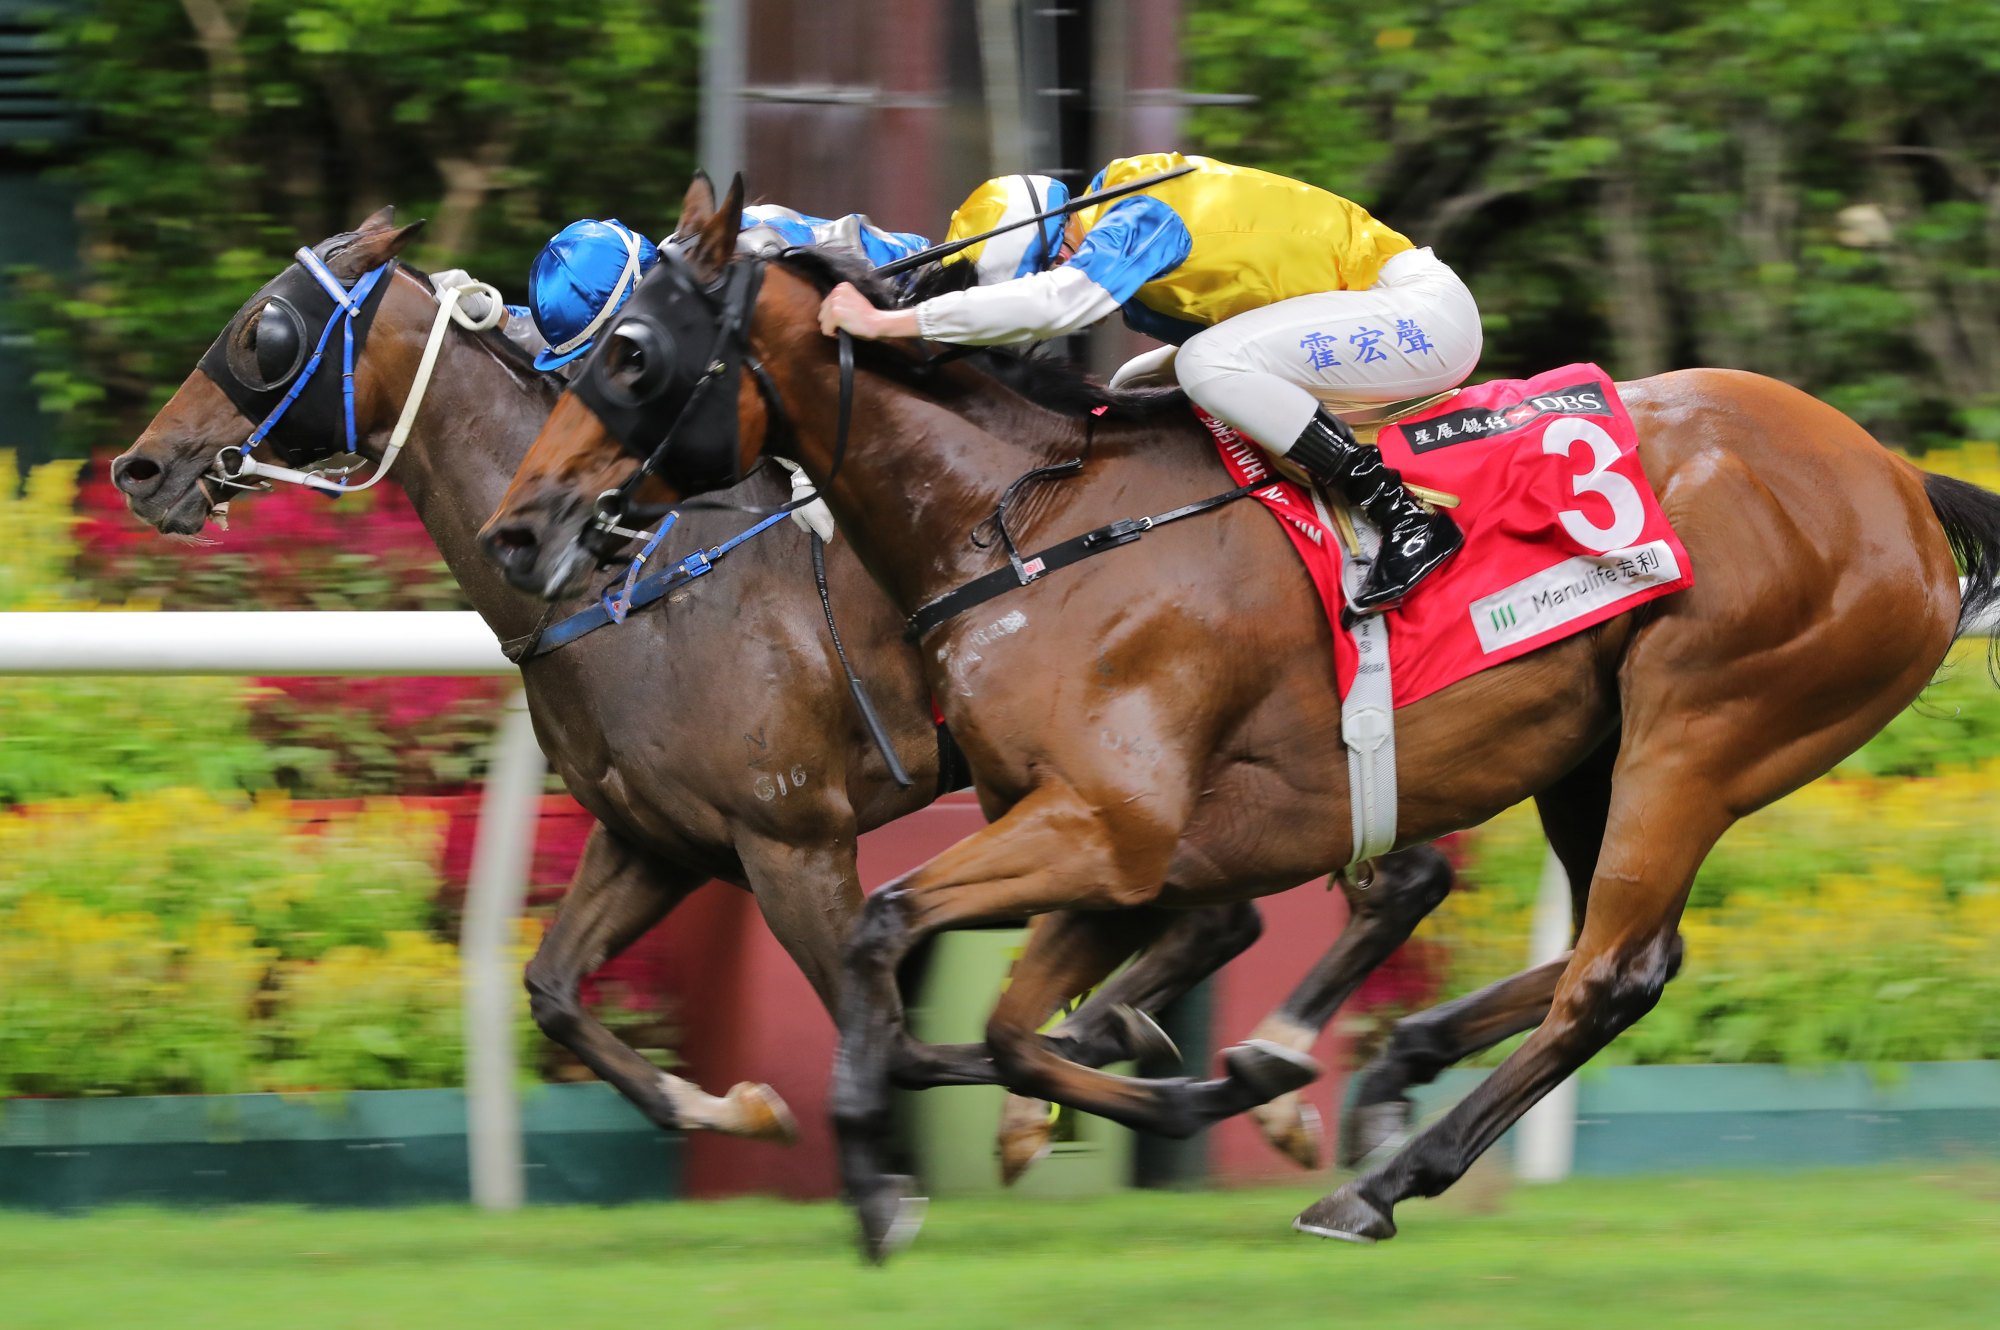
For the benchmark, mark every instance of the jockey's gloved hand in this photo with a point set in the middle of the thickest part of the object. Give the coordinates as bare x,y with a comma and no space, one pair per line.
476,303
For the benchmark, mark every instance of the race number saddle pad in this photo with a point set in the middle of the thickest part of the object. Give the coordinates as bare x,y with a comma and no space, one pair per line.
1562,530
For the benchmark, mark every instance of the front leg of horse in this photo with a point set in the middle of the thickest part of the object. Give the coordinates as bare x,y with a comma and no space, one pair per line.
1265,1073
1114,1024
1397,892
615,897
1048,851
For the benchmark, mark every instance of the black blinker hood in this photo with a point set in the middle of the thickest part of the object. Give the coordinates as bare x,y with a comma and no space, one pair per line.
680,417
315,425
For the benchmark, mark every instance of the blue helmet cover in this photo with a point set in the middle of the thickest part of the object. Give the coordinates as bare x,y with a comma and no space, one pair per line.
577,279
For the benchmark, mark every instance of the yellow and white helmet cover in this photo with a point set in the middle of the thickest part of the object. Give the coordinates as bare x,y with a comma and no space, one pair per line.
1018,253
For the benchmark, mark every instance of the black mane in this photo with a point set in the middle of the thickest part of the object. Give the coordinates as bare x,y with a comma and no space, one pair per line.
1048,381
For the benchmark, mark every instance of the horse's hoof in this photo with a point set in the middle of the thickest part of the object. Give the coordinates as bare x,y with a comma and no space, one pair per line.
760,1115
1269,1069
1145,1041
890,1216
1026,1133
1292,1127
1368,1130
1346,1216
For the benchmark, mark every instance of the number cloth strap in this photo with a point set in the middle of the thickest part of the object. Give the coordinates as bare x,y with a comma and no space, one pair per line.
1367,712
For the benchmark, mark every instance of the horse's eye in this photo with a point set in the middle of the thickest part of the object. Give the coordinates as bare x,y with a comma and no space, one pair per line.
271,346
638,361
628,360
279,345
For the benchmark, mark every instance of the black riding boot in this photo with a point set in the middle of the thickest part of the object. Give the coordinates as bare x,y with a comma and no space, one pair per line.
1414,539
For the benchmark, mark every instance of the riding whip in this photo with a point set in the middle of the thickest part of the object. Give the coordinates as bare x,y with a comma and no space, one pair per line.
949,248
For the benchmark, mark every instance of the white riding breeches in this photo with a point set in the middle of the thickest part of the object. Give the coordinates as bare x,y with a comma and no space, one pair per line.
1414,333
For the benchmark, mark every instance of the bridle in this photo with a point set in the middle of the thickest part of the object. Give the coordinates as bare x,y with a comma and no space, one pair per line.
665,386
267,379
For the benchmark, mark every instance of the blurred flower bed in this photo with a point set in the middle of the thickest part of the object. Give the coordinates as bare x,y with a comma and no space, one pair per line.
172,918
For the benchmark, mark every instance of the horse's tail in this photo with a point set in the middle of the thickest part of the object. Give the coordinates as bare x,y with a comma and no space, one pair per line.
1970,517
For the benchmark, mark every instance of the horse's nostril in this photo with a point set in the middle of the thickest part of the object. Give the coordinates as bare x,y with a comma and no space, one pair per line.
511,538
132,474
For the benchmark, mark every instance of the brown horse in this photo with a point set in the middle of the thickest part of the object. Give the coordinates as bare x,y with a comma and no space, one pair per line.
648,723
1158,726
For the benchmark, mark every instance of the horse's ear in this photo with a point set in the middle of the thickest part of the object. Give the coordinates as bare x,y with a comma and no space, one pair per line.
697,205
380,220
371,247
715,242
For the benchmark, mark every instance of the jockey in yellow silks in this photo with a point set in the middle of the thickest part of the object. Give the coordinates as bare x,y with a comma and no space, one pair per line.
1272,295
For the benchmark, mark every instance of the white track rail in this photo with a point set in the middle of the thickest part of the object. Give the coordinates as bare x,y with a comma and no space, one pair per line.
355,643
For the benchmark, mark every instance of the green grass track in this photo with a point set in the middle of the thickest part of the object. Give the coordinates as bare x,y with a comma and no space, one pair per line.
1915,1249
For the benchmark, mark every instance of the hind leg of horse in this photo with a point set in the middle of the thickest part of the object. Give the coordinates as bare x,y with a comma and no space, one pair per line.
1424,1043
615,897
1663,820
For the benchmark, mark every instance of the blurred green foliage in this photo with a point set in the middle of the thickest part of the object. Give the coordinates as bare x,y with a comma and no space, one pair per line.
1806,188
301,887
63,737
182,942
225,133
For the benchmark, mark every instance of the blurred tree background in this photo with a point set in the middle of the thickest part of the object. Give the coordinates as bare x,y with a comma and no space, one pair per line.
221,134
1806,188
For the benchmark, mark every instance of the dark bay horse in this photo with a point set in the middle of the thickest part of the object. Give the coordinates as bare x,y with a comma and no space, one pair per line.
1158,726
671,728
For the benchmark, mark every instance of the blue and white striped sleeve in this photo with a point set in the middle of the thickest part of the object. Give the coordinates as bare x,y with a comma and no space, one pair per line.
1129,246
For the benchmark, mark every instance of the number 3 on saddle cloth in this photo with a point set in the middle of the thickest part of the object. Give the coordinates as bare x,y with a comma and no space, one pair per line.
1561,529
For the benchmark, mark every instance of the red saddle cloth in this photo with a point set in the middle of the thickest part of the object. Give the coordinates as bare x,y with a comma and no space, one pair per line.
1562,531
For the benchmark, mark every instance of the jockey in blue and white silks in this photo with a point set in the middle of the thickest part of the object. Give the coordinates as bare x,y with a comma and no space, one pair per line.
589,268
767,228
1277,298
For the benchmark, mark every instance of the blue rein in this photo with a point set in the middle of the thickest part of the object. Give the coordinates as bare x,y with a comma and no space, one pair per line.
638,592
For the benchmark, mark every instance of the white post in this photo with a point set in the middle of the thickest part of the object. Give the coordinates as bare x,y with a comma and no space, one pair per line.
1000,63
495,895
1545,1141
722,64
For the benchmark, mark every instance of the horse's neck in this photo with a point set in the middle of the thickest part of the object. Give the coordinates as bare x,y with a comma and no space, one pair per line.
475,425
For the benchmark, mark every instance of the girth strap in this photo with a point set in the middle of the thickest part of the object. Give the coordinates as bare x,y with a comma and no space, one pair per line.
954,772
1039,565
